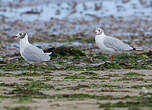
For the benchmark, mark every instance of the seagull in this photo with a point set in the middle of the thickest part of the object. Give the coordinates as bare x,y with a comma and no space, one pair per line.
31,53
110,45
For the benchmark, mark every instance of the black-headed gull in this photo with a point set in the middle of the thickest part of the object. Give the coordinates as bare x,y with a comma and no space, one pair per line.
109,44
31,53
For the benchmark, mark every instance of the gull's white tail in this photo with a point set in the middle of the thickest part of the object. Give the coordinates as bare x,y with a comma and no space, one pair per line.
47,56
137,49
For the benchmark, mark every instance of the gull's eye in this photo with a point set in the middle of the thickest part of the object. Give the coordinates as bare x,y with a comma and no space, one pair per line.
99,30
20,34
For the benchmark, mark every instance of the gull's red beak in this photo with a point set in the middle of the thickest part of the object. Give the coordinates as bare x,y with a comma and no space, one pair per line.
94,32
14,37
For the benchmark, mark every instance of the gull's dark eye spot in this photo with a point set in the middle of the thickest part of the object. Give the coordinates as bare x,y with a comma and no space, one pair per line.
20,34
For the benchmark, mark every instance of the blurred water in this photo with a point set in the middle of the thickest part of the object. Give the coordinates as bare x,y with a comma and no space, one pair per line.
28,10
130,20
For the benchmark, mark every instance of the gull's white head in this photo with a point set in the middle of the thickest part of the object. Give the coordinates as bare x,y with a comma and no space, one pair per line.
99,31
20,35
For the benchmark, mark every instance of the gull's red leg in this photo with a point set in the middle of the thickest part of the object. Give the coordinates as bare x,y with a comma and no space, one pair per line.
31,69
34,68
111,58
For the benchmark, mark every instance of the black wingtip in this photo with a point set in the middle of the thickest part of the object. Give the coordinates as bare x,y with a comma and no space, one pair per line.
134,49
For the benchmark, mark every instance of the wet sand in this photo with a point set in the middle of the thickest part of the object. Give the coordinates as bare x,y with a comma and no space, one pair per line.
75,90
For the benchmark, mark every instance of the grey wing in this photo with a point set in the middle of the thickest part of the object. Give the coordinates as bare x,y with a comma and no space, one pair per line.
116,44
33,54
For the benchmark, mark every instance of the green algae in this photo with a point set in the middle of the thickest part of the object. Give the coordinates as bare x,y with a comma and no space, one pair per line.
17,108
